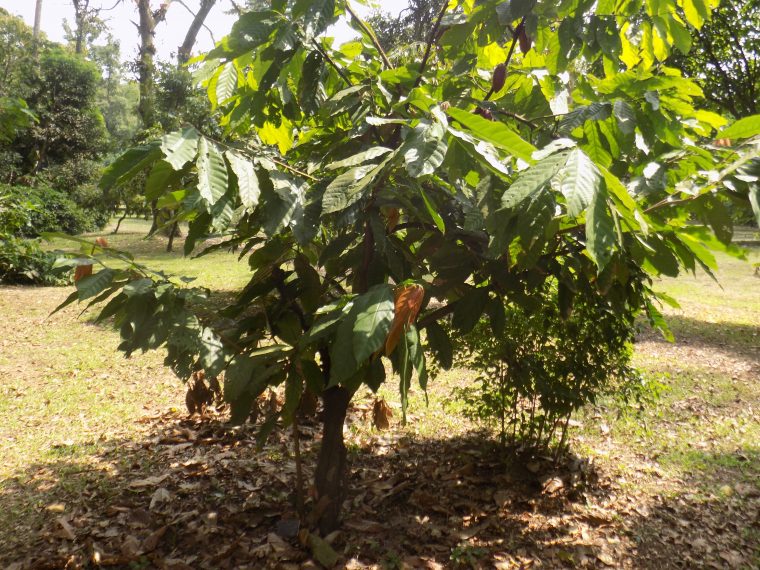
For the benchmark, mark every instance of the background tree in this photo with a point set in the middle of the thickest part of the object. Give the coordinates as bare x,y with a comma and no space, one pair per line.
411,25
88,26
376,203
725,58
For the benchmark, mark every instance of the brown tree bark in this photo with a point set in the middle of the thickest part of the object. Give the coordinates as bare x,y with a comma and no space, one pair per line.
332,464
186,49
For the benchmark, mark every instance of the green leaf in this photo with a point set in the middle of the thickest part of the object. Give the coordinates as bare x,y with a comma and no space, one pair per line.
213,356
226,83
440,344
349,187
696,12
180,147
494,132
754,199
293,391
658,321
129,165
469,309
212,172
247,181
533,179
741,129
578,180
359,158
374,315
437,219
600,230
161,177
425,149
93,284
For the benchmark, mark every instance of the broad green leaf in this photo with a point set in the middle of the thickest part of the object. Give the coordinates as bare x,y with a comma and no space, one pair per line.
741,129
226,83
374,315
600,230
213,355
247,181
93,284
160,179
437,219
349,187
359,158
440,344
425,149
469,308
696,12
754,199
129,165
533,179
578,180
294,385
494,132
180,147
212,172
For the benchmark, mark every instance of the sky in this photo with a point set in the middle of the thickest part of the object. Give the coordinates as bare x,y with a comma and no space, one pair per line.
169,34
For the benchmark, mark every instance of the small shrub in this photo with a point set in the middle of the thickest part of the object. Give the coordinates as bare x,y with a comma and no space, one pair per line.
53,211
545,365
22,261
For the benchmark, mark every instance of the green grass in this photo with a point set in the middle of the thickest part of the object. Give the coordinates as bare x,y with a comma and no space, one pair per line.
219,271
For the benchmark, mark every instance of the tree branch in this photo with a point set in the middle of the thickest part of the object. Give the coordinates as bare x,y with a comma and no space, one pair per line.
332,63
430,40
370,34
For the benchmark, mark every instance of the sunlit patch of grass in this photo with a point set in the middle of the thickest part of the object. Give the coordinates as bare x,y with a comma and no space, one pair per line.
219,271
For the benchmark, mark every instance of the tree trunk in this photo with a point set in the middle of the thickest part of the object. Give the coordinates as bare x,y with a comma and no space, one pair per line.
184,51
37,23
147,68
118,223
332,464
172,233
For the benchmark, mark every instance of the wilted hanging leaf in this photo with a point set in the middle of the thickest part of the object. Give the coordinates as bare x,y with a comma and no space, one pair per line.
82,271
381,414
407,304
391,217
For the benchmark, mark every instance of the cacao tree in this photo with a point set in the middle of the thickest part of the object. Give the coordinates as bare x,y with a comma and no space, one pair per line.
375,196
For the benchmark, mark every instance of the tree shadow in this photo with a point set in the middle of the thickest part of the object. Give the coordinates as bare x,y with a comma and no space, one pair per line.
713,523
196,493
737,339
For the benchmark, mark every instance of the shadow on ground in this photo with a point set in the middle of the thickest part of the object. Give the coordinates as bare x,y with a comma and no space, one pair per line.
198,494
738,339
713,523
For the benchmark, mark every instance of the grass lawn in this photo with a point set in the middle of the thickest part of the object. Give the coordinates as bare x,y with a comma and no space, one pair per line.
102,464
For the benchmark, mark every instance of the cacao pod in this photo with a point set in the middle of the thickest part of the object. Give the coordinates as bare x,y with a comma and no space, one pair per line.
499,77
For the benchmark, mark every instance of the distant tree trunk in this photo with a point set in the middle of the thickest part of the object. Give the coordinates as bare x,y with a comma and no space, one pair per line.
121,219
81,9
186,49
37,23
172,233
149,19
